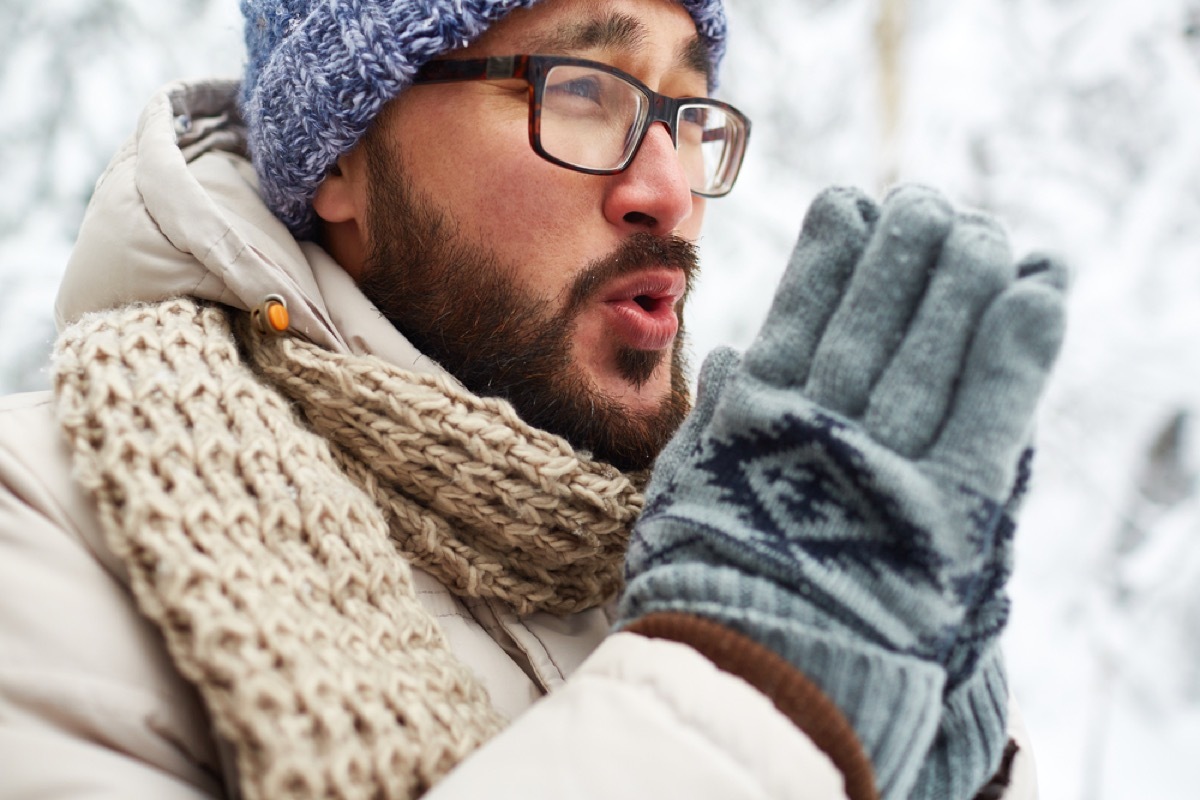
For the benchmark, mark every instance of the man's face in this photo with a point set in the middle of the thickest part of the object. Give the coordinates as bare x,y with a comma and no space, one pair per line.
557,290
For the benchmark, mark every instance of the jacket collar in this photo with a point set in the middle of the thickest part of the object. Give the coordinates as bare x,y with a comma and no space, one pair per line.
178,213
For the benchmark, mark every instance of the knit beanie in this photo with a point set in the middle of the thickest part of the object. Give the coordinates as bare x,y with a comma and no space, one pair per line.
319,71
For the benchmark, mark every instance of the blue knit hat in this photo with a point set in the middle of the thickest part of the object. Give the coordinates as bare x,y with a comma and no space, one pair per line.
319,71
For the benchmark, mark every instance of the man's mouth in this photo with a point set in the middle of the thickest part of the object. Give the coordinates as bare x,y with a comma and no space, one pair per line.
641,307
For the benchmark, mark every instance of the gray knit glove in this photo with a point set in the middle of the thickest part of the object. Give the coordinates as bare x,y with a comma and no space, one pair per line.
975,698
839,496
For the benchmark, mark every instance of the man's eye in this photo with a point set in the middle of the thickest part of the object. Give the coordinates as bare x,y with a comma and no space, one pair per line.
583,88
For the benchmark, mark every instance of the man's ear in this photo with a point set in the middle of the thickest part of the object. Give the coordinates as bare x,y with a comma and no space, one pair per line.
341,196
341,204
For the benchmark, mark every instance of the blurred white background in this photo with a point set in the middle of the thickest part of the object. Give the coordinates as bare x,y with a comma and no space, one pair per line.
1076,121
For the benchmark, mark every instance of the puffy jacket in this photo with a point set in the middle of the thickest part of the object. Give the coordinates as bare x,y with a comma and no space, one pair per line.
90,702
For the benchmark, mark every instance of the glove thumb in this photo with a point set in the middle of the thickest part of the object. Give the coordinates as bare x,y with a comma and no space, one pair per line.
714,375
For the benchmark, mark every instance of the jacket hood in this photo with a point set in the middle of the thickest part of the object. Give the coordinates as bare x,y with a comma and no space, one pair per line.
178,213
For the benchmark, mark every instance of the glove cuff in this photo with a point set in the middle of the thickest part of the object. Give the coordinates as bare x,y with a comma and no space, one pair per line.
893,701
971,737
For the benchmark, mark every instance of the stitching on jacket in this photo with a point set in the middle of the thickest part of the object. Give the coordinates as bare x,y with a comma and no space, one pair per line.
549,655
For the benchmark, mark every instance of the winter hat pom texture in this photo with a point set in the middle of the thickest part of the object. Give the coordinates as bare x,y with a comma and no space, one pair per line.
319,71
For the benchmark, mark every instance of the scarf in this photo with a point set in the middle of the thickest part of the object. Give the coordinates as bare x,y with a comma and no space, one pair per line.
267,498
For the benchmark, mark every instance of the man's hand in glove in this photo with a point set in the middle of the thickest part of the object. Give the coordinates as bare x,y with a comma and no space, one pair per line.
839,495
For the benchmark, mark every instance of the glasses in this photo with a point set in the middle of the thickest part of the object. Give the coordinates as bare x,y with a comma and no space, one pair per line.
592,118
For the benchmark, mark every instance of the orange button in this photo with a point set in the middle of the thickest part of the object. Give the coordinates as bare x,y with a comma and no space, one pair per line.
277,316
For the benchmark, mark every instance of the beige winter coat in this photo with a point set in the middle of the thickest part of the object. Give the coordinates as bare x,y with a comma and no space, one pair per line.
90,703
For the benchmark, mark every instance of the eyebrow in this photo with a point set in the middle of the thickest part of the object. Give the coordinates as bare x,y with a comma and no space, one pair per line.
695,56
618,32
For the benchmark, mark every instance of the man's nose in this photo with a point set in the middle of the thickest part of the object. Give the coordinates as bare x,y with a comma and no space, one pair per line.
653,195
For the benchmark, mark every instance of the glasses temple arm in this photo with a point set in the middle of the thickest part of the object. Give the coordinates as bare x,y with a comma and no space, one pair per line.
473,69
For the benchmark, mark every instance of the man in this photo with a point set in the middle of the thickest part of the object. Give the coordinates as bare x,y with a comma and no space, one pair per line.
329,492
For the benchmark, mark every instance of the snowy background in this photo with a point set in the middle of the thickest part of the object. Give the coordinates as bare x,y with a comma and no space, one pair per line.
1074,120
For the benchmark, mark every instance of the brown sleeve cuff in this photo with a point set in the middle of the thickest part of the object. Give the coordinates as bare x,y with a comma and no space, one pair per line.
793,694
998,785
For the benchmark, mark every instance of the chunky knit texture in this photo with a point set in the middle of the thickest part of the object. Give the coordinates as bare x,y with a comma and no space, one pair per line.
319,71
275,561
842,494
487,504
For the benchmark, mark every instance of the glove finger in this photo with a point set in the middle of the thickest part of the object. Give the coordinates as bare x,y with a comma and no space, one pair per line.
718,366
910,401
883,294
1007,366
835,232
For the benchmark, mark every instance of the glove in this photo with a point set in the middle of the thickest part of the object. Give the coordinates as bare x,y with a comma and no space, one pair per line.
838,494
977,687
976,695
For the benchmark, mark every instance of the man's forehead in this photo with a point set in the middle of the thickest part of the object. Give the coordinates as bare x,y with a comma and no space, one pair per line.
614,30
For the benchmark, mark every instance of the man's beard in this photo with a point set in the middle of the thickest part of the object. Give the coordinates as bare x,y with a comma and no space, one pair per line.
459,305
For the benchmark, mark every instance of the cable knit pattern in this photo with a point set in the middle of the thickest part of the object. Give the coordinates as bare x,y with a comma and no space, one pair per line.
275,579
318,73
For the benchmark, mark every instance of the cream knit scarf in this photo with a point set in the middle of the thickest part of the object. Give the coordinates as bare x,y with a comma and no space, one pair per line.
273,553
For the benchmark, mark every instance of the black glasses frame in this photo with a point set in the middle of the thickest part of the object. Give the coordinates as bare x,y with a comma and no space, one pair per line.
533,70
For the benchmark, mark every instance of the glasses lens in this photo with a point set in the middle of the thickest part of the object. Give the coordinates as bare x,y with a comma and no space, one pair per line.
712,142
589,117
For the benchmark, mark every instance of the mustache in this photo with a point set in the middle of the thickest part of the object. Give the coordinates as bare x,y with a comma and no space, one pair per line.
639,252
